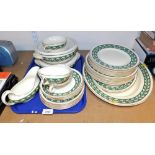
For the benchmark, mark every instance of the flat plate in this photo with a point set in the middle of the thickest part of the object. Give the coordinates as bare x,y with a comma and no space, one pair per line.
35,106
114,57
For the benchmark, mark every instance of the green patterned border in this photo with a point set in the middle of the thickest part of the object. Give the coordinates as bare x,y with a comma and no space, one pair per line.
115,88
48,81
77,79
50,47
60,101
60,58
133,56
30,96
126,102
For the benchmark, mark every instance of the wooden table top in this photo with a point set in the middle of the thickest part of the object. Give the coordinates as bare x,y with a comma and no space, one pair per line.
96,110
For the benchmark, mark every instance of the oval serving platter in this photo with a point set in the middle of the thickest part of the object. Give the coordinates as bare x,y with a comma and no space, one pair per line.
143,89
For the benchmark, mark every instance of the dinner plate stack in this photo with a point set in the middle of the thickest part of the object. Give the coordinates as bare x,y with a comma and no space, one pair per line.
56,50
61,87
114,74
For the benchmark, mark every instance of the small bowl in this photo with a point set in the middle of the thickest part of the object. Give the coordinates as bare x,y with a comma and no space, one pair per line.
55,72
54,42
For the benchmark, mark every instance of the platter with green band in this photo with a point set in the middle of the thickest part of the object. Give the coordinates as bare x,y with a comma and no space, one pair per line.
135,95
114,57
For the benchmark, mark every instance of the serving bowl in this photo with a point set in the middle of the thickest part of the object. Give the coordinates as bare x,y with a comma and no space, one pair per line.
70,47
54,42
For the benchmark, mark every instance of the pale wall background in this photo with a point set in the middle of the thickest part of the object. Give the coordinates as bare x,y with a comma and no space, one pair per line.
85,39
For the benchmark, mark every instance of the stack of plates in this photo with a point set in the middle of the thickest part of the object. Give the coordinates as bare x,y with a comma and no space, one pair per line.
114,74
56,50
61,87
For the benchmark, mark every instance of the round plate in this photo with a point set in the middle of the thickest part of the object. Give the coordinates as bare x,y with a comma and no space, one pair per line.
67,91
114,57
114,88
137,94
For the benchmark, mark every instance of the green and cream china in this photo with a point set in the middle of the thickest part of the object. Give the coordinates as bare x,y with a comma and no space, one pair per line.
54,42
55,59
113,59
69,48
59,72
69,90
61,104
135,95
23,90
115,88
110,80
70,63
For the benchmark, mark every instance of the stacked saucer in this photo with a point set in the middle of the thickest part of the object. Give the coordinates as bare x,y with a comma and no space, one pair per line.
61,87
114,74
56,50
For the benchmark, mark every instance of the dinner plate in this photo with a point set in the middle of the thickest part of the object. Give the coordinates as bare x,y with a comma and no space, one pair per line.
135,95
110,72
115,88
70,47
68,91
69,63
61,104
114,57
106,78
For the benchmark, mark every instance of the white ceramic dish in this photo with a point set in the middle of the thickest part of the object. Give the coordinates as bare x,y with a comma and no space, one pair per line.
54,41
61,104
70,47
23,90
110,72
69,63
68,91
110,80
137,94
115,88
56,58
113,59
60,71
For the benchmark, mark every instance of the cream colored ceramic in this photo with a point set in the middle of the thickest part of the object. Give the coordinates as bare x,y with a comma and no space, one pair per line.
55,59
70,90
69,63
111,72
61,104
70,47
23,90
114,57
54,41
60,71
135,95
112,80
